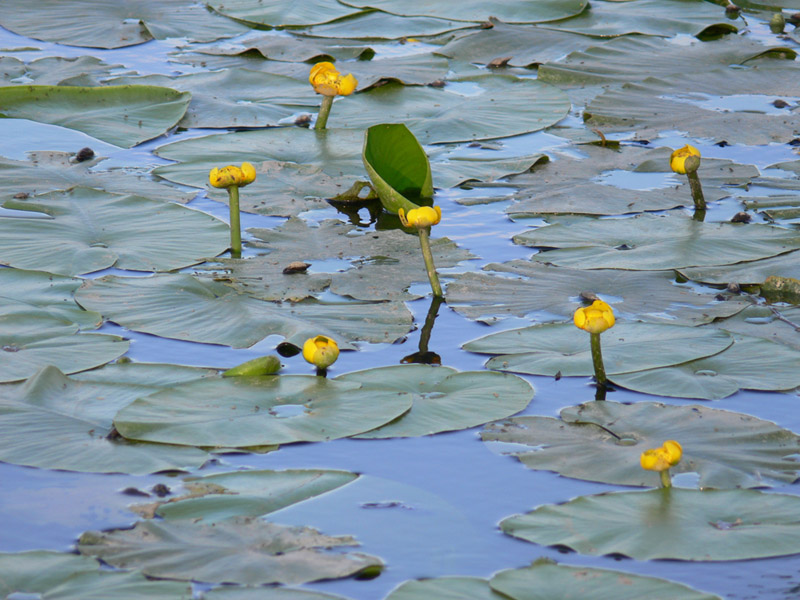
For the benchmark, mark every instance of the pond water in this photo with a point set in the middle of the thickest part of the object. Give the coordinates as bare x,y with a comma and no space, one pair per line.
429,506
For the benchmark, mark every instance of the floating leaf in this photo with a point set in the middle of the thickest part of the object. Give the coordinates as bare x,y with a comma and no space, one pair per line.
185,307
265,593
53,70
256,411
749,273
602,441
375,24
239,550
122,115
668,523
561,347
250,493
648,242
444,399
472,10
769,322
283,15
89,230
279,47
446,588
54,422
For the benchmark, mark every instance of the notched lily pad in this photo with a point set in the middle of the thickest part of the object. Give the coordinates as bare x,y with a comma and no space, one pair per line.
602,441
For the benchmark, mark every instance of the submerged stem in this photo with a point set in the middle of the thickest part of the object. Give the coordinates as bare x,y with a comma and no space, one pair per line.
324,111
427,254
597,359
236,230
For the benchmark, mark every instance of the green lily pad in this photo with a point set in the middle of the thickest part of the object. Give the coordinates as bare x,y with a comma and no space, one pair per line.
749,273
545,580
675,523
780,207
265,593
122,115
750,363
776,324
239,550
627,347
648,242
629,58
446,588
279,47
383,263
256,411
525,288
451,169
471,10
114,24
54,575
602,441
283,15
444,399
376,24
129,232
53,70
250,493
650,17
54,422
723,104
184,307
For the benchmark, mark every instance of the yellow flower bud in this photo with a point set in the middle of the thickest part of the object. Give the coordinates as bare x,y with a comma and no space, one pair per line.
327,81
595,318
424,216
248,173
661,459
321,351
225,177
674,452
677,160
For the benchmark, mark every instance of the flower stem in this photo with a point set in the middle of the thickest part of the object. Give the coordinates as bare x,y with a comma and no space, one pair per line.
427,254
324,111
322,372
236,229
597,359
666,479
697,191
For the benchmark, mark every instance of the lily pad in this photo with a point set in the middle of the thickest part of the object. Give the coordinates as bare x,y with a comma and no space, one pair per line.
673,523
446,588
376,24
279,47
239,550
43,574
114,24
522,288
602,441
782,207
383,264
471,10
453,168
545,580
729,104
283,15
628,347
750,363
444,399
124,115
776,324
256,411
129,232
265,593
648,242
749,273
185,307
54,422
250,493
53,70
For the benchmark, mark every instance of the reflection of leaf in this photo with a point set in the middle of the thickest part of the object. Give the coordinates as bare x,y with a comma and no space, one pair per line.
673,523
602,441
239,550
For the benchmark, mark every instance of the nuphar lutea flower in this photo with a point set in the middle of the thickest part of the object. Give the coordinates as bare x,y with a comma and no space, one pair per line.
425,216
225,177
595,318
321,351
661,459
327,81
677,160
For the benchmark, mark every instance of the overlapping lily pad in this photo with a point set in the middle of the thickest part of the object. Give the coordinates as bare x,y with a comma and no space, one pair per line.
55,422
444,399
383,263
675,523
748,273
89,230
627,347
114,24
249,493
283,15
190,308
53,70
648,242
376,24
602,441
460,588
523,288
256,411
265,593
472,10
294,49
774,323
124,115
239,550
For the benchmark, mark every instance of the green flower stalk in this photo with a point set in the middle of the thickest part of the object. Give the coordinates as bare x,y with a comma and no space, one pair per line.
596,319
232,178
422,219
686,161
328,82
661,459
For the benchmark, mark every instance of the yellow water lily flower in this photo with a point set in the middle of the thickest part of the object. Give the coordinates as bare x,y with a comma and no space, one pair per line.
677,160
321,351
327,80
661,459
595,318
225,177
424,216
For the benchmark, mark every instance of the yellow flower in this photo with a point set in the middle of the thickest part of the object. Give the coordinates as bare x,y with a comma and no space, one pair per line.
321,351
329,82
595,318
661,459
677,160
424,216
231,175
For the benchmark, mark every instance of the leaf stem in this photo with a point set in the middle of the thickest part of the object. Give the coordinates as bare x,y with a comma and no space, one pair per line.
236,229
324,111
427,254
